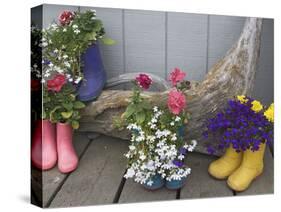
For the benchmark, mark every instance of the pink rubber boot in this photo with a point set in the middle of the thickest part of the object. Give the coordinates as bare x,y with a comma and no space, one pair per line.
43,147
67,157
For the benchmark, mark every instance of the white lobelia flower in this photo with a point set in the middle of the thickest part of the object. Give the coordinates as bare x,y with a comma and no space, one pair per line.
130,173
174,137
172,123
155,108
132,148
177,118
194,143
56,51
65,56
64,30
181,157
142,157
74,26
76,31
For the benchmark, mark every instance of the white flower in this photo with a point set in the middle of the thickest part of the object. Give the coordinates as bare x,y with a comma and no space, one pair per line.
174,137
64,30
177,118
155,108
130,173
131,147
153,120
56,51
181,157
67,64
93,18
76,31
172,123
74,26
65,56
194,143
51,65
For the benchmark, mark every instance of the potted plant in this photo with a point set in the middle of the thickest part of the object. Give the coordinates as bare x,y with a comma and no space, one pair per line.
70,46
69,56
157,150
242,129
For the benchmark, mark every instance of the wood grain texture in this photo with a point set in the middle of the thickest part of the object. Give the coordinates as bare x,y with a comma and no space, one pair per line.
199,183
145,41
134,192
186,44
264,184
98,176
48,181
233,75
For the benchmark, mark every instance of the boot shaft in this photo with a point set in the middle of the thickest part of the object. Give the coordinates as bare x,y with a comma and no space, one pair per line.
254,159
64,134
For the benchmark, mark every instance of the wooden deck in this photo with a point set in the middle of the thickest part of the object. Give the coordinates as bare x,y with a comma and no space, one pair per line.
99,178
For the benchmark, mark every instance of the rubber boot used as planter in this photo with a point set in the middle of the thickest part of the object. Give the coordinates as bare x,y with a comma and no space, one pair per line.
67,157
251,167
175,184
94,74
43,147
158,182
226,165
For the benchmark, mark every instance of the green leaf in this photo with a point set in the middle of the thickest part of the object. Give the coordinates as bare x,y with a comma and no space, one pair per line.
108,41
140,117
67,106
52,114
67,114
130,110
78,105
75,124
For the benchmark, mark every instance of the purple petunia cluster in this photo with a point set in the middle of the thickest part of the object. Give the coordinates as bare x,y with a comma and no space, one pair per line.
238,126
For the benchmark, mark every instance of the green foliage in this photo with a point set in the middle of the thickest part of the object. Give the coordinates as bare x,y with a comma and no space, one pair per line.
62,106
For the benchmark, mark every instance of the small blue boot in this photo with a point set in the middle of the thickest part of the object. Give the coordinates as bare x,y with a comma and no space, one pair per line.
94,74
158,182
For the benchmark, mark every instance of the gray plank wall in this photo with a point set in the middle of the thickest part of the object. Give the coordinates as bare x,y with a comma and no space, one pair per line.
156,42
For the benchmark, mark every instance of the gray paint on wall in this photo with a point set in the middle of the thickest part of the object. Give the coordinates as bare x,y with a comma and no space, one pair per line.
157,42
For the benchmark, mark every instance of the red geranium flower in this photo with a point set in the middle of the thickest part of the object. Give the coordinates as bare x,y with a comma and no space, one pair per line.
66,17
56,83
176,76
144,81
176,101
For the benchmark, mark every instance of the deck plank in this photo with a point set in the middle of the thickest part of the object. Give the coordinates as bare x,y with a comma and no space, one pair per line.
48,181
134,192
264,184
98,176
199,183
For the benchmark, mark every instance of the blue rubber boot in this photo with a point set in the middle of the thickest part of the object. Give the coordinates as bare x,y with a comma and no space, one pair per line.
94,74
158,182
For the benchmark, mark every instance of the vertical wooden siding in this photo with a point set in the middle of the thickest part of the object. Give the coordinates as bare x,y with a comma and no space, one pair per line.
156,42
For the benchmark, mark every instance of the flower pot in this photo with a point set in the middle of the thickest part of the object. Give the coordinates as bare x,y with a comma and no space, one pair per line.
175,184
94,74
67,157
158,182
43,147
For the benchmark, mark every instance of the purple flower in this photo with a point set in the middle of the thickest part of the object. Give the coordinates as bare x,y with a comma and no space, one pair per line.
238,125
178,163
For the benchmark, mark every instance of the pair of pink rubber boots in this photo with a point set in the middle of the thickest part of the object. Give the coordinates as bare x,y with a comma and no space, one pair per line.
52,144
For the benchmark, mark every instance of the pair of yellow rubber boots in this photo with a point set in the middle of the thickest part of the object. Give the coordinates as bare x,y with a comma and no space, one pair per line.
240,168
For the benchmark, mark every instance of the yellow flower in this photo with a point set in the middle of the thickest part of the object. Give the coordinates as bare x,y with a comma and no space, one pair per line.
269,113
256,106
242,99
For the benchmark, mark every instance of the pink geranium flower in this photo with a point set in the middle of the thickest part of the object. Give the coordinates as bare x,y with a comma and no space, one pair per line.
176,76
66,17
176,101
144,81
56,83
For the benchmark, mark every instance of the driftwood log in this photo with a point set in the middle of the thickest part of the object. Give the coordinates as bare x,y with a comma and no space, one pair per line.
234,74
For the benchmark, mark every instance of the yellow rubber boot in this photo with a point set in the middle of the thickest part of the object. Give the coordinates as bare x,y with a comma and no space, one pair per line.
226,165
251,167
